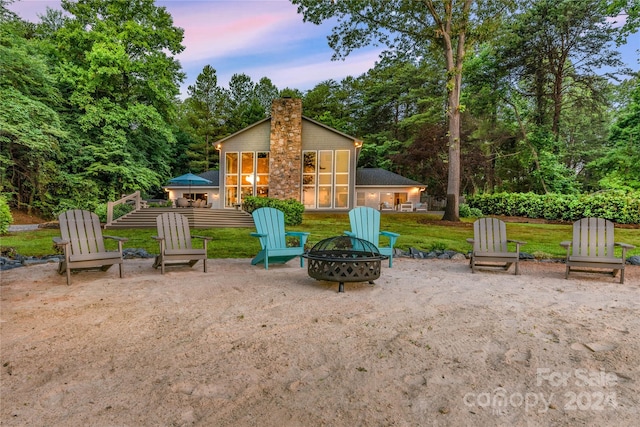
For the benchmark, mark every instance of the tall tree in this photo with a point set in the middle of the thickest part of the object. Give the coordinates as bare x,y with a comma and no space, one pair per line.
30,127
119,79
207,117
620,167
557,46
414,28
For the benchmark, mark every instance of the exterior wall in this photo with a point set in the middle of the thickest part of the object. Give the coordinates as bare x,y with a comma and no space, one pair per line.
285,136
374,195
285,158
255,138
317,137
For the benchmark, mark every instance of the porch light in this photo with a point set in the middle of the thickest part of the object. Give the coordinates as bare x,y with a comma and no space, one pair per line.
357,143
218,147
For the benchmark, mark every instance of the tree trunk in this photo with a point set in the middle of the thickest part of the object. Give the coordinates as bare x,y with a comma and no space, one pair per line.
454,84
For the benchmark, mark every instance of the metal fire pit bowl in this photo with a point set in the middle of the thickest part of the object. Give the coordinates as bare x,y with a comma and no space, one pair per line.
344,259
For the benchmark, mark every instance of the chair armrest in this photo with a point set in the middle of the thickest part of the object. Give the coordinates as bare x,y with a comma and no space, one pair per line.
624,245
157,238
350,233
389,234
259,235
567,245
119,239
58,241
296,233
303,235
392,237
471,241
519,242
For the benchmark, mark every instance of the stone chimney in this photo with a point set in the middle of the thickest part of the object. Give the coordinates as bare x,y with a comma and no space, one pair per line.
285,157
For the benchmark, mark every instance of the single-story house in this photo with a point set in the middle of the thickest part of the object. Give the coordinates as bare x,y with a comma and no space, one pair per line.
288,155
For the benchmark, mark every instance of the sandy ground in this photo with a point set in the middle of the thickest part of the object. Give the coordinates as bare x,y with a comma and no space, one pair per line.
428,344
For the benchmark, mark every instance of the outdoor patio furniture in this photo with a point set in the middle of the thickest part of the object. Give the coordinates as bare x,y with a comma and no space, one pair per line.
174,238
182,202
365,225
593,246
490,246
271,232
83,244
421,207
406,207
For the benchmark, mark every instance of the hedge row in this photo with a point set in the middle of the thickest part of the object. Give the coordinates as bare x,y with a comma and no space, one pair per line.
617,206
5,216
291,208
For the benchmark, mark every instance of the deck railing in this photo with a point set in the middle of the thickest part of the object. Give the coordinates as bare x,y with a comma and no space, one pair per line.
135,197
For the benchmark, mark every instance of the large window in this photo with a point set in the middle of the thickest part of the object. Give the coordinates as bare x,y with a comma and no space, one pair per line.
325,179
231,179
246,174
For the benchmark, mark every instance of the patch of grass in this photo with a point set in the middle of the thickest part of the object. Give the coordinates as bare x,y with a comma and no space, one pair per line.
421,231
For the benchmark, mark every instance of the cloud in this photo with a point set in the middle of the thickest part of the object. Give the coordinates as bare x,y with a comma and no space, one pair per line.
218,30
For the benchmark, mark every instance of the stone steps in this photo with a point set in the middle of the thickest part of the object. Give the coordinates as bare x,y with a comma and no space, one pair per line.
198,218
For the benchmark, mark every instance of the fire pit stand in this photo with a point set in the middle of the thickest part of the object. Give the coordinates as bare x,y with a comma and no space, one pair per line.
344,259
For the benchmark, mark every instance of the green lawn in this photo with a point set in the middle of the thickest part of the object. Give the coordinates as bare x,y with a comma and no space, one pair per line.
421,231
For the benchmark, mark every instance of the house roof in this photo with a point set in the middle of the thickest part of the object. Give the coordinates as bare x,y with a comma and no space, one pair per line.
213,176
268,119
380,177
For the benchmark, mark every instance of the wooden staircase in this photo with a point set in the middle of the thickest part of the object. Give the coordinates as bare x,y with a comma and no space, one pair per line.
198,218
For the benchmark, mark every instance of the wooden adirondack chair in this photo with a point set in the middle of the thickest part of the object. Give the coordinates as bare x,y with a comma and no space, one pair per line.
594,247
365,225
490,246
270,230
83,244
175,242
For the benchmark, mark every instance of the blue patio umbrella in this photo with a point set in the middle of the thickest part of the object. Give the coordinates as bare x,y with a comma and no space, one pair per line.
189,179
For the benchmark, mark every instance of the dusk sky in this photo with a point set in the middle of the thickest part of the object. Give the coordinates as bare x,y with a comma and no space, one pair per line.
261,38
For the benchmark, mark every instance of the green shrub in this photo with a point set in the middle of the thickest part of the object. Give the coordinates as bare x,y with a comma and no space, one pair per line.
468,212
616,205
291,208
5,216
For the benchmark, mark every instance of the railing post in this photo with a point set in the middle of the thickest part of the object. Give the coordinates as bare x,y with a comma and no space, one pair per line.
137,194
109,213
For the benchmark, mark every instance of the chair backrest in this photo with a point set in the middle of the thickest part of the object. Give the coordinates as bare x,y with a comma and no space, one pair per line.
489,235
181,202
270,221
365,224
82,229
174,228
593,237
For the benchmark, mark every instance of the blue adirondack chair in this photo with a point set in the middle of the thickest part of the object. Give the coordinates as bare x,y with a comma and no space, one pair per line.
270,230
365,225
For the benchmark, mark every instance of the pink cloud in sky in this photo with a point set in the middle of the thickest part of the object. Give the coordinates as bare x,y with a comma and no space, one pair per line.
217,33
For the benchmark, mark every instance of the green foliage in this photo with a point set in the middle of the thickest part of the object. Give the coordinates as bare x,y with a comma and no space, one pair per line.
619,168
118,211
119,83
30,128
465,211
618,206
5,216
291,208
